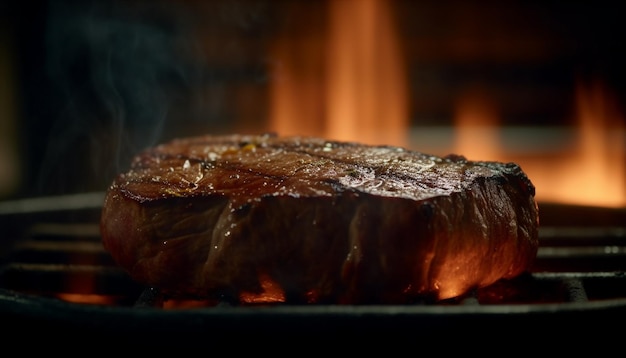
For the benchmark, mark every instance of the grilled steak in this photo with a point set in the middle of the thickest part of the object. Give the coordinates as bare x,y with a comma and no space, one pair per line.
308,220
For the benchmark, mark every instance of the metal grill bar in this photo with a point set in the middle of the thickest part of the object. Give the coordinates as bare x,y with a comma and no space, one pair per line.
58,257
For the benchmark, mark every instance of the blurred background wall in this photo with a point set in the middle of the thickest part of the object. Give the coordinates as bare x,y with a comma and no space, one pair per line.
84,85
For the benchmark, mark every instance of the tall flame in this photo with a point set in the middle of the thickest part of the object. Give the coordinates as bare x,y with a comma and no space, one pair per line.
595,171
591,171
476,123
356,90
347,81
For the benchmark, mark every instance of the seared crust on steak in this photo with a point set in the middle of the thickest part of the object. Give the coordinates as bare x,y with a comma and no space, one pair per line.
301,219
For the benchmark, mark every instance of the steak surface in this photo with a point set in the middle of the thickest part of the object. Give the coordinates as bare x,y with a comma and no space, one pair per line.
265,218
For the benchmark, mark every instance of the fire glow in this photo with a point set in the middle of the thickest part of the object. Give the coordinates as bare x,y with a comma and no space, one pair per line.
357,92
347,83
590,169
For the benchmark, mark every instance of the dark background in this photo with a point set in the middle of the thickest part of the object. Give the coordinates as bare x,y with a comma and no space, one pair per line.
93,82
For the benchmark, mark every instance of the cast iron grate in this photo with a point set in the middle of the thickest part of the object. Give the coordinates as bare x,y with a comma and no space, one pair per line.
66,261
53,261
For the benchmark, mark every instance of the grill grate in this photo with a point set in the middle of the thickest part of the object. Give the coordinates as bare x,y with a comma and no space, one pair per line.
66,260
53,261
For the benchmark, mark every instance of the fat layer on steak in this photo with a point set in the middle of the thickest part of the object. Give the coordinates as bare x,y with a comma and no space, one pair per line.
309,220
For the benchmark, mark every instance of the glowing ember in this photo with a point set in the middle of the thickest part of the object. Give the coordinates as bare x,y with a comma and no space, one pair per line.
183,304
272,292
93,299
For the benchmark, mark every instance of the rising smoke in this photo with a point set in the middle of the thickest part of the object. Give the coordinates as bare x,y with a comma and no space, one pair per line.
115,75
126,75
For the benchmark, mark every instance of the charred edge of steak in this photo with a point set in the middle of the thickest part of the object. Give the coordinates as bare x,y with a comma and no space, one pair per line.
310,149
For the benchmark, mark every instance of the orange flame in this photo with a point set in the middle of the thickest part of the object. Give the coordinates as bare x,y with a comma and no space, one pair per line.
595,171
360,94
476,127
591,171
347,82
